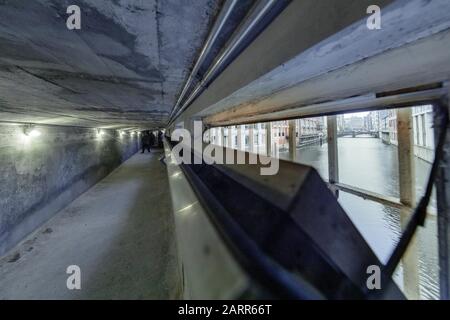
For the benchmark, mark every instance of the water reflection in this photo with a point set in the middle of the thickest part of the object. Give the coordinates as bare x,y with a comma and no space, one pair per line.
370,164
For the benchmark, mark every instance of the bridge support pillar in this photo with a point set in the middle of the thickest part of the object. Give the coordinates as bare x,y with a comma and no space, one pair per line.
214,136
251,138
240,128
292,140
333,162
230,137
201,137
407,197
222,136
269,138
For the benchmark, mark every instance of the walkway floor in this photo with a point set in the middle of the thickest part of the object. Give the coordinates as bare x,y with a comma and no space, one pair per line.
120,233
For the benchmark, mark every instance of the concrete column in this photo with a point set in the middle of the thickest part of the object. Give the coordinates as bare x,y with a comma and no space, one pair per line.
406,156
258,140
230,137
443,206
212,135
269,138
292,140
251,140
239,137
222,136
197,129
407,197
333,161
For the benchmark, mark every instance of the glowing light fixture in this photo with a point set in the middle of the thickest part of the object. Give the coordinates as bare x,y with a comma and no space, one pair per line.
100,132
31,131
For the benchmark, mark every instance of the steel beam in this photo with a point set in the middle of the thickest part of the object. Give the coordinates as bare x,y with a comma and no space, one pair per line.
368,102
319,75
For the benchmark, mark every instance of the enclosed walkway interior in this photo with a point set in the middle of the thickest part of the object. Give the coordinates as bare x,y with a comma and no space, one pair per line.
120,233
340,107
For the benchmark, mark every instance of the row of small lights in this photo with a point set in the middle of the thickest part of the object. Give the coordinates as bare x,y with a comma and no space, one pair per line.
101,132
30,131
122,132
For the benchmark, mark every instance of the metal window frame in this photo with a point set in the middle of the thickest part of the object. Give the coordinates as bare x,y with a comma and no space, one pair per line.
439,99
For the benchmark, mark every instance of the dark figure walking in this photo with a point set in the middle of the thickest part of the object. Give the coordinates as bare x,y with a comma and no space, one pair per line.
147,141
160,139
152,139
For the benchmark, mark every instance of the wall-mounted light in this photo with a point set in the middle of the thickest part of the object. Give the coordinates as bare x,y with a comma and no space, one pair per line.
100,132
31,131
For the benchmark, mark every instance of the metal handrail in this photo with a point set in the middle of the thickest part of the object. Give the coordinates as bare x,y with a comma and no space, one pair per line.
252,23
217,28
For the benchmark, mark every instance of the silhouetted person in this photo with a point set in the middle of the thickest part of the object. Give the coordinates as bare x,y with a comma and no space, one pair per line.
146,142
152,139
160,139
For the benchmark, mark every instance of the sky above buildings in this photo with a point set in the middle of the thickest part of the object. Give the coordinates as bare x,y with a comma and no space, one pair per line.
356,114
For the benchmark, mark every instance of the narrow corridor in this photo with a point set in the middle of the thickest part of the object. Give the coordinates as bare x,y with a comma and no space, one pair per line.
307,149
120,233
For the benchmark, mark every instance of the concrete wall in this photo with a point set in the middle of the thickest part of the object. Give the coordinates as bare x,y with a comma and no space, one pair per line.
41,175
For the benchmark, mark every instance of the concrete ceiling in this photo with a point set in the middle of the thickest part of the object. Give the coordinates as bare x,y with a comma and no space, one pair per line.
124,68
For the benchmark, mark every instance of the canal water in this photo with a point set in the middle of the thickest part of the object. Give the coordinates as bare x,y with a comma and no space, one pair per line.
368,163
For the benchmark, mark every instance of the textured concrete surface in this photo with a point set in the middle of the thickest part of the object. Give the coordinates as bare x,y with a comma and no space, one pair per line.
120,233
125,67
41,175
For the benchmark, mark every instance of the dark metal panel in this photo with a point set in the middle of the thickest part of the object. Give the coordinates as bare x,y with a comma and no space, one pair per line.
300,233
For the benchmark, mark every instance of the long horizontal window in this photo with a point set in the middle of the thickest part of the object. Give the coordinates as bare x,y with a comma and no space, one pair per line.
365,177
